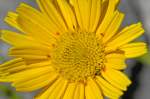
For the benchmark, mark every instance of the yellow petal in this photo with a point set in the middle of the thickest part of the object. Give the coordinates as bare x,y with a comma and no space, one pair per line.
11,19
55,91
92,90
35,83
12,70
30,50
29,73
67,14
117,1
95,14
22,41
31,57
114,26
116,78
50,10
107,18
70,91
18,63
17,39
134,49
30,53
43,30
84,8
79,91
116,61
126,35
104,7
12,66
108,89
12,63
41,64
76,5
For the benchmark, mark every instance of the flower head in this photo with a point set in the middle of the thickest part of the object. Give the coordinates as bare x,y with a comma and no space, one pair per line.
72,49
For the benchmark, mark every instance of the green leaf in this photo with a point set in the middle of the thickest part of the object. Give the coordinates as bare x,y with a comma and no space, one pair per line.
145,59
6,91
1,58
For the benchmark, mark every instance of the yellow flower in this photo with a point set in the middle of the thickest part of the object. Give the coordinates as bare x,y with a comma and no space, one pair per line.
71,49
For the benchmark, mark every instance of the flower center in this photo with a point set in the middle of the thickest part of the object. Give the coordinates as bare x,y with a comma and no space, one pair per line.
78,56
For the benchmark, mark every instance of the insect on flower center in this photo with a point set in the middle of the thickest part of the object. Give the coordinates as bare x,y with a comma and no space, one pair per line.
78,56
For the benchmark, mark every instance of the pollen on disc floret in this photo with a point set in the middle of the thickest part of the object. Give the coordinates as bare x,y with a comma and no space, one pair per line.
78,55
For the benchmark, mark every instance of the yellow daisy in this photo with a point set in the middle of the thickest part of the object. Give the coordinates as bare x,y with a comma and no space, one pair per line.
70,49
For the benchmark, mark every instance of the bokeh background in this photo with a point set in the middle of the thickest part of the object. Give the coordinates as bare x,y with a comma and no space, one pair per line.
138,69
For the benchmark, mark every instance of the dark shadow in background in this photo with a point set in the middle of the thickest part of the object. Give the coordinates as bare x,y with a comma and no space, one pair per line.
135,73
136,70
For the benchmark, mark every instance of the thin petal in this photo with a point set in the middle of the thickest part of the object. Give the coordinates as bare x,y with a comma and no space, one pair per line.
35,83
107,18
31,79
116,78
116,61
17,39
30,53
67,14
29,73
114,26
19,65
13,63
95,14
108,89
55,91
84,8
79,91
92,90
70,91
126,35
116,1
28,77
76,5
11,19
134,49
43,30
12,66
41,64
50,10
30,50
